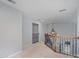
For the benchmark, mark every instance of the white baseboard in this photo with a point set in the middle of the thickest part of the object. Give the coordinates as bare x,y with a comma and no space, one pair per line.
14,54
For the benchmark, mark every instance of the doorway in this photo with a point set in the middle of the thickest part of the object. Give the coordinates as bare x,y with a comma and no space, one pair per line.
35,33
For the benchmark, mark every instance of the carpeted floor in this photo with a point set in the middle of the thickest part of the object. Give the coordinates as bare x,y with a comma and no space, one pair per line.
39,50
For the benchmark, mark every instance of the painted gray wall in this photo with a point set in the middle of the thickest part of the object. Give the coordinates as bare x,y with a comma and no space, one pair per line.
43,31
10,30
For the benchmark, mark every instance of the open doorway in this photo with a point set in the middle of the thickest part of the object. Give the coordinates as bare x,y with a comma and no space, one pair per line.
35,33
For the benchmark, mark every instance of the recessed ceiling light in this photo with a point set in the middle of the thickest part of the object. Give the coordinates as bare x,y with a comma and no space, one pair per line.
62,10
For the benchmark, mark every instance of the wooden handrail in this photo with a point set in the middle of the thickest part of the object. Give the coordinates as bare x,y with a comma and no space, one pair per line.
66,37
57,36
58,41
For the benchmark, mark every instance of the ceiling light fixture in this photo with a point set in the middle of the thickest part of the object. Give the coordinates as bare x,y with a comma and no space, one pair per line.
62,10
12,1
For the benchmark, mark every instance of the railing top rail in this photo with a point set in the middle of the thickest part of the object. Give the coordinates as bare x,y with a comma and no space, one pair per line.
58,36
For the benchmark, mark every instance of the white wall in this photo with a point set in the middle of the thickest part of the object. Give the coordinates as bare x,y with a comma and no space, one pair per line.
44,29
78,33
26,31
16,30
10,30
63,29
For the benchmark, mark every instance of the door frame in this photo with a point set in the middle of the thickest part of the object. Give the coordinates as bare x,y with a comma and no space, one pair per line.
32,32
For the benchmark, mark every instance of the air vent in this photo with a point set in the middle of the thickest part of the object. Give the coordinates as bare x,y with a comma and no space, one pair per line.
12,1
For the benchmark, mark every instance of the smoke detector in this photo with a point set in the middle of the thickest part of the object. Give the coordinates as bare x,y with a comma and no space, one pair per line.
12,1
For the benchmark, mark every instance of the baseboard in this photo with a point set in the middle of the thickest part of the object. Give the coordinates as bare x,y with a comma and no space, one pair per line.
11,56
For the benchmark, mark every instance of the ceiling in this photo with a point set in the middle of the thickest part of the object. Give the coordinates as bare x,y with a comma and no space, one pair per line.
47,11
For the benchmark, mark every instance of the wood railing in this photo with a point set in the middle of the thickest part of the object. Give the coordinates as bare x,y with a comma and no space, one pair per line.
57,44
58,36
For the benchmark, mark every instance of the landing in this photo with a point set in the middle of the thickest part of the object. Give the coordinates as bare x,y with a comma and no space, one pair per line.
39,50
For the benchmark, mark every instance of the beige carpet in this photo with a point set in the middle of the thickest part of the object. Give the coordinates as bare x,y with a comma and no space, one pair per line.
39,50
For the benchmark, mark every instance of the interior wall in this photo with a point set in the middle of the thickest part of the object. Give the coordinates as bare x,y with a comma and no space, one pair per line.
26,31
63,29
78,33
17,33
42,29
10,30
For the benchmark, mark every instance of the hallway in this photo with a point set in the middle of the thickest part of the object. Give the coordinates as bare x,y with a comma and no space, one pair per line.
39,50
23,22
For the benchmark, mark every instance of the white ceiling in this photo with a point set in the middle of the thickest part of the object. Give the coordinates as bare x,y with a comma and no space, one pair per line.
48,10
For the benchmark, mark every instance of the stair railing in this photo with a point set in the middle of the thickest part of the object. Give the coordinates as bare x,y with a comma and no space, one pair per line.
62,44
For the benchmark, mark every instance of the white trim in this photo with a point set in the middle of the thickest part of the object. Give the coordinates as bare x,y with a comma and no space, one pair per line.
14,54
